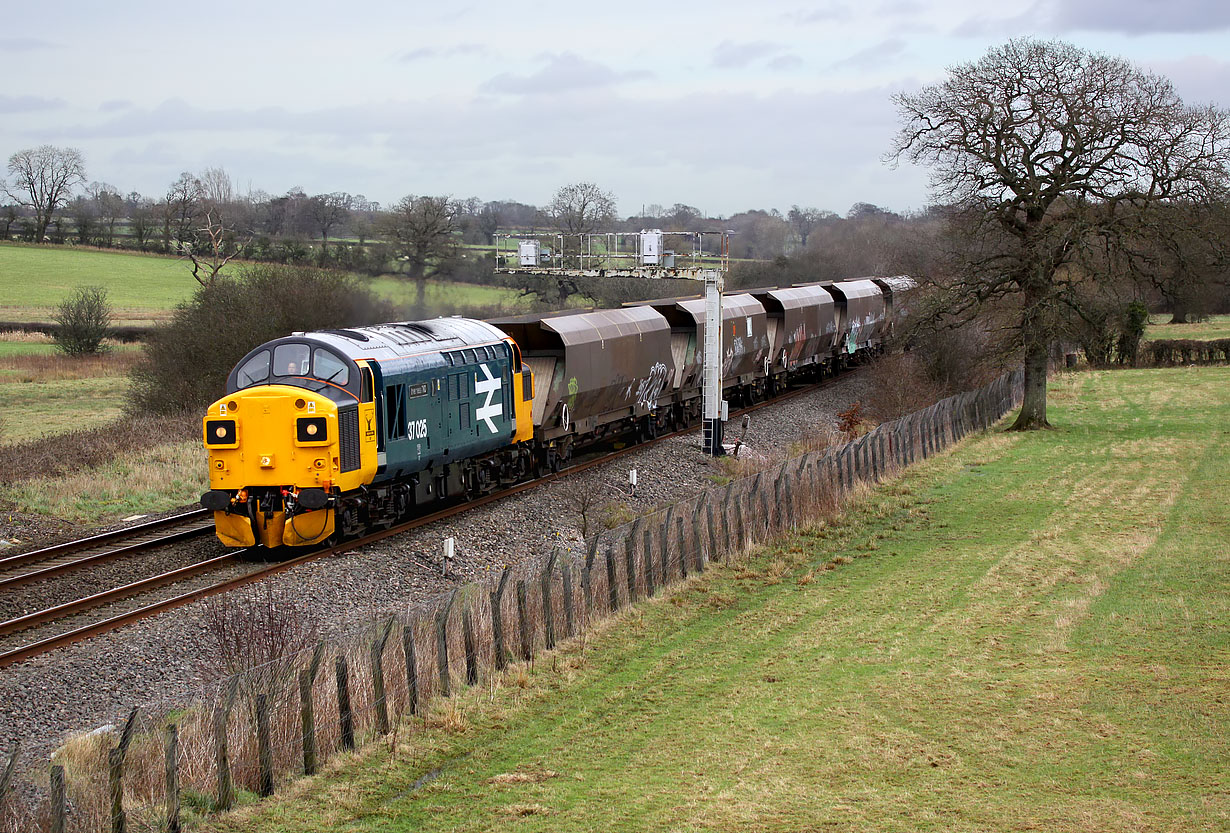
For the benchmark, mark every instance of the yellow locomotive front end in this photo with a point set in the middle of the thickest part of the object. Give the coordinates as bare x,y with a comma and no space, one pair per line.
278,456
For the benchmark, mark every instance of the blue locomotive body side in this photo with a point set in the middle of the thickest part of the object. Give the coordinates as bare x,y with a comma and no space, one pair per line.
443,406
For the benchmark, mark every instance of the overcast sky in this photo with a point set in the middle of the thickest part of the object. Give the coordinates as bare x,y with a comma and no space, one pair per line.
722,105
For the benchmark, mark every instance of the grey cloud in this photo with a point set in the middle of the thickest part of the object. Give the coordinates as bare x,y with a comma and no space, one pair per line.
829,13
1140,17
1128,17
25,44
29,103
426,52
780,149
417,55
982,26
563,72
785,62
114,105
872,56
731,55
1199,79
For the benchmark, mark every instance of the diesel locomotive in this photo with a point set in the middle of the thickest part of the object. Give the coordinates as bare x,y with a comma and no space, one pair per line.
324,435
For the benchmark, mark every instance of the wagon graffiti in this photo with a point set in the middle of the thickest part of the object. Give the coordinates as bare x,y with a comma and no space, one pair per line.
651,387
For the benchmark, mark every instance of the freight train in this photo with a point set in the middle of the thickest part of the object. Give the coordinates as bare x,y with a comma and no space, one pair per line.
324,435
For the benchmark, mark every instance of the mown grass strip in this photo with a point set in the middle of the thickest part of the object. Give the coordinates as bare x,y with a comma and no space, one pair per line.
1027,633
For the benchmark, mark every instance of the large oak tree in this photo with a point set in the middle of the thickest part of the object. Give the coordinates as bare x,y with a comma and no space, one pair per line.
1051,157
43,179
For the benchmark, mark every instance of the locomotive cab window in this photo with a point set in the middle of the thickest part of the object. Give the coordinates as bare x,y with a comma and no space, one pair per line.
367,384
291,359
327,367
254,371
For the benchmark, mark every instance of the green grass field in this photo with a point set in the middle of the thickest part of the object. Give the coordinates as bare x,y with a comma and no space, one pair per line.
1028,633
445,297
143,289
1218,326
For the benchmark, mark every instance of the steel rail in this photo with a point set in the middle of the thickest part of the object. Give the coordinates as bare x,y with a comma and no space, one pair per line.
135,588
99,540
84,632
102,557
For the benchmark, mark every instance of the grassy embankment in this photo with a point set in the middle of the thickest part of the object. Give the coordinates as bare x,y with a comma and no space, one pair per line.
1029,632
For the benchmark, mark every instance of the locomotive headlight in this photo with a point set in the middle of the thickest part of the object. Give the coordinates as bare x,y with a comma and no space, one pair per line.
311,430
220,432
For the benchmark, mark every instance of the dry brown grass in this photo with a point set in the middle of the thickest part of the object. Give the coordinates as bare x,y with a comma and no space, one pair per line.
54,367
74,451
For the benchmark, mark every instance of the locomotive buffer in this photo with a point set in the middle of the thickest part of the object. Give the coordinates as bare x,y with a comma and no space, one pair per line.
603,254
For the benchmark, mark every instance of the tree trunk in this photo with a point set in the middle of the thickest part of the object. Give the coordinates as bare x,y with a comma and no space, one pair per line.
1179,315
1033,407
420,296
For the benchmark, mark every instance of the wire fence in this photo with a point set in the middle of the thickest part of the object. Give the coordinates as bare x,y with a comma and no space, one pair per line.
258,730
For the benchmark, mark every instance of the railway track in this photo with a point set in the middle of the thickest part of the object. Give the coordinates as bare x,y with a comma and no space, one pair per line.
59,559
80,553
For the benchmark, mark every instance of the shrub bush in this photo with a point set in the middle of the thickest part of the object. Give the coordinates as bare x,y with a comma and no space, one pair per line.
83,321
185,363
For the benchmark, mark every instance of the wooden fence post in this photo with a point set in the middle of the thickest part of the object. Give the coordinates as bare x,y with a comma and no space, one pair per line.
226,786
711,533
612,588
587,578
467,641
728,514
651,588
412,668
779,509
548,610
570,617
684,548
497,621
7,776
741,516
59,800
345,718
377,653
172,759
115,787
698,539
523,615
445,683
115,775
307,718
630,560
264,747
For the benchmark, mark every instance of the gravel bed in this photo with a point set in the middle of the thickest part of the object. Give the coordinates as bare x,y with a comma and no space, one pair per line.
166,660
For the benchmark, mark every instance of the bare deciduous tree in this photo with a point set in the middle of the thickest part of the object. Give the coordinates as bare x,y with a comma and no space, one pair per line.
44,178
421,229
204,210
581,208
1050,154
326,211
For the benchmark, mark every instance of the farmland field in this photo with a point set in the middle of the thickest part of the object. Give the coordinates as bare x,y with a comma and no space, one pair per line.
1026,633
1218,326
143,289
